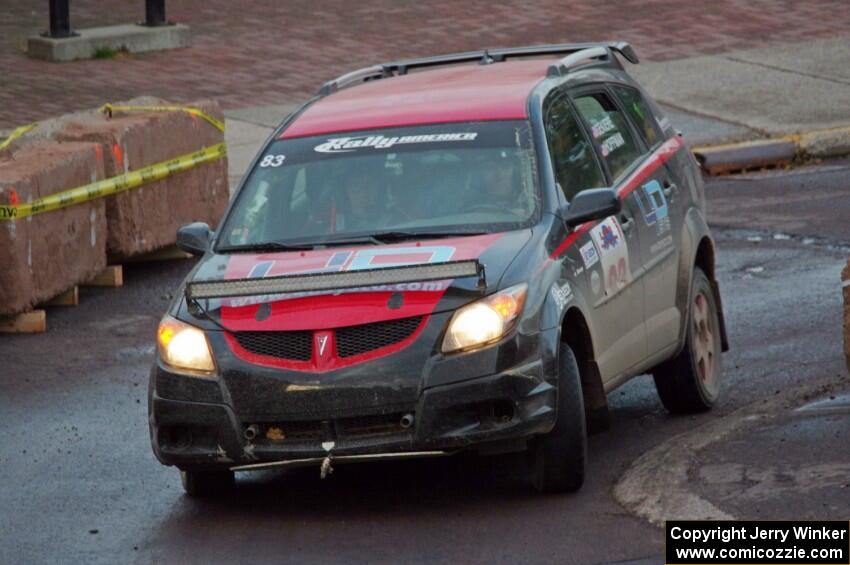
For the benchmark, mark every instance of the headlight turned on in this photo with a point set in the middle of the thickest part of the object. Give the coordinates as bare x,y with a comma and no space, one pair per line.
184,347
485,320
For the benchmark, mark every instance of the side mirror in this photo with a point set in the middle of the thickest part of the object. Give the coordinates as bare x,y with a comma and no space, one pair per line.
592,204
194,238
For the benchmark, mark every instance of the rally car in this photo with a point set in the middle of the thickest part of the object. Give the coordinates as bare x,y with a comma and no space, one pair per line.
462,252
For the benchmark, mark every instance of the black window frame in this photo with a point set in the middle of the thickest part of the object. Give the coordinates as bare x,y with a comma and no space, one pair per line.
555,95
661,136
602,88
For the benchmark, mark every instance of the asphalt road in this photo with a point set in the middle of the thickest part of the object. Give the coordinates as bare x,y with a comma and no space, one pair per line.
80,484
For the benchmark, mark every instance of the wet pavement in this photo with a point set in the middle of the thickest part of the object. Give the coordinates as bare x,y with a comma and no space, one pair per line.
81,484
809,201
796,460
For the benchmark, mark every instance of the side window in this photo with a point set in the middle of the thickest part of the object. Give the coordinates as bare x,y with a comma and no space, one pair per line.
572,155
637,108
610,132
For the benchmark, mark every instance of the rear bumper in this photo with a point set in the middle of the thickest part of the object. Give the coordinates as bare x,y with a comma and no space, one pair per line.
491,412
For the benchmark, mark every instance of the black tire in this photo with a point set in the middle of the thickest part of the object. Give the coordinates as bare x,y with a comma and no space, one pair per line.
558,459
690,382
206,483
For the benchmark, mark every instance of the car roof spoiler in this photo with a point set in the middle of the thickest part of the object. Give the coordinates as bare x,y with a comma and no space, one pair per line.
602,50
319,282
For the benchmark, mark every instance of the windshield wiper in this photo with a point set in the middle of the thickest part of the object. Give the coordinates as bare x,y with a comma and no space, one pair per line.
265,246
357,240
379,238
390,236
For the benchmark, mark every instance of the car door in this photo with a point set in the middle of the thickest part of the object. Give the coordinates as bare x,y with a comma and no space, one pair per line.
610,249
660,217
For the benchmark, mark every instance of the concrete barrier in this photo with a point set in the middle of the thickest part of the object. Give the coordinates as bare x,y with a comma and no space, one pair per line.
845,284
145,219
44,255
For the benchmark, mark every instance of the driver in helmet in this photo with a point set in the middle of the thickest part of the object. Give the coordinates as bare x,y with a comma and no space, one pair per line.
502,187
366,203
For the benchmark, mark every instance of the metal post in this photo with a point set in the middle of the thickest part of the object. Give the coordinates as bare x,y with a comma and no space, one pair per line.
60,19
155,13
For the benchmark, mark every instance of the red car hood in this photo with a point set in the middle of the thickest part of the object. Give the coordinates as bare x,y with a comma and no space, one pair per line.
323,310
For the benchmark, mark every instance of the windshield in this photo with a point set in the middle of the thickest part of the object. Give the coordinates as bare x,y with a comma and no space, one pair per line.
444,179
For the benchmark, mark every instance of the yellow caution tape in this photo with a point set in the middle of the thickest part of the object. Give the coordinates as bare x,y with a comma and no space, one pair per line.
16,133
113,185
109,109
118,183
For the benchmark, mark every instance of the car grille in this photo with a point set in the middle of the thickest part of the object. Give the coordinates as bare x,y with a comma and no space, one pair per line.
370,425
297,346
350,341
356,340
343,428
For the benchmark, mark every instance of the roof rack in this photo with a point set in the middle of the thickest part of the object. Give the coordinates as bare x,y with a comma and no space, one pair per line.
576,53
579,58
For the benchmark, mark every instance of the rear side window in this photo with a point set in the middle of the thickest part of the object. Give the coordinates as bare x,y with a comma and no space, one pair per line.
641,115
572,154
610,132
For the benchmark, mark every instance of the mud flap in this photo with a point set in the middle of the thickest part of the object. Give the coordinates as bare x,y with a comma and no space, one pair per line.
724,338
596,415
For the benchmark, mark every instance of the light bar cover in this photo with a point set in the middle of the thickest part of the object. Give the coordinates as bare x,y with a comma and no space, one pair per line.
333,281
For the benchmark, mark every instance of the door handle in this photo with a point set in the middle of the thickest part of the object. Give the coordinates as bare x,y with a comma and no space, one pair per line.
669,188
626,224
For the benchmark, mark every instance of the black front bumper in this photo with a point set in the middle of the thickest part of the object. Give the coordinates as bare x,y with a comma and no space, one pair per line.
193,426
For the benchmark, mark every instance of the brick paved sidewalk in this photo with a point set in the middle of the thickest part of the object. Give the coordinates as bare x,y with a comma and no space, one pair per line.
278,51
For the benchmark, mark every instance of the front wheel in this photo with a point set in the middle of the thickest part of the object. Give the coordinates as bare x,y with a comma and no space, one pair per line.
690,382
558,459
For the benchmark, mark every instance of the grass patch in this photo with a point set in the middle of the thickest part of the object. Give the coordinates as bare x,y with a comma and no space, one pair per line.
104,53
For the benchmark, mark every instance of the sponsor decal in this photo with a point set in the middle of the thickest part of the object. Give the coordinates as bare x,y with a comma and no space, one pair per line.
610,238
595,283
365,259
330,308
612,144
614,254
354,261
396,257
589,254
653,206
349,144
661,244
562,294
602,127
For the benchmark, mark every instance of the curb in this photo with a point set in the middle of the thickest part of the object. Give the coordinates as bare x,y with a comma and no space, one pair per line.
657,486
777,152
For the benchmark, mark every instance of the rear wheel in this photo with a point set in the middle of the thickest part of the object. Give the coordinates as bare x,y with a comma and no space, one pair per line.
206,483
558,459
690,382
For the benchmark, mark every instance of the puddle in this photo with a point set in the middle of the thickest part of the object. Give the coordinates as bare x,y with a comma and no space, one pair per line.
836,404
132,353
